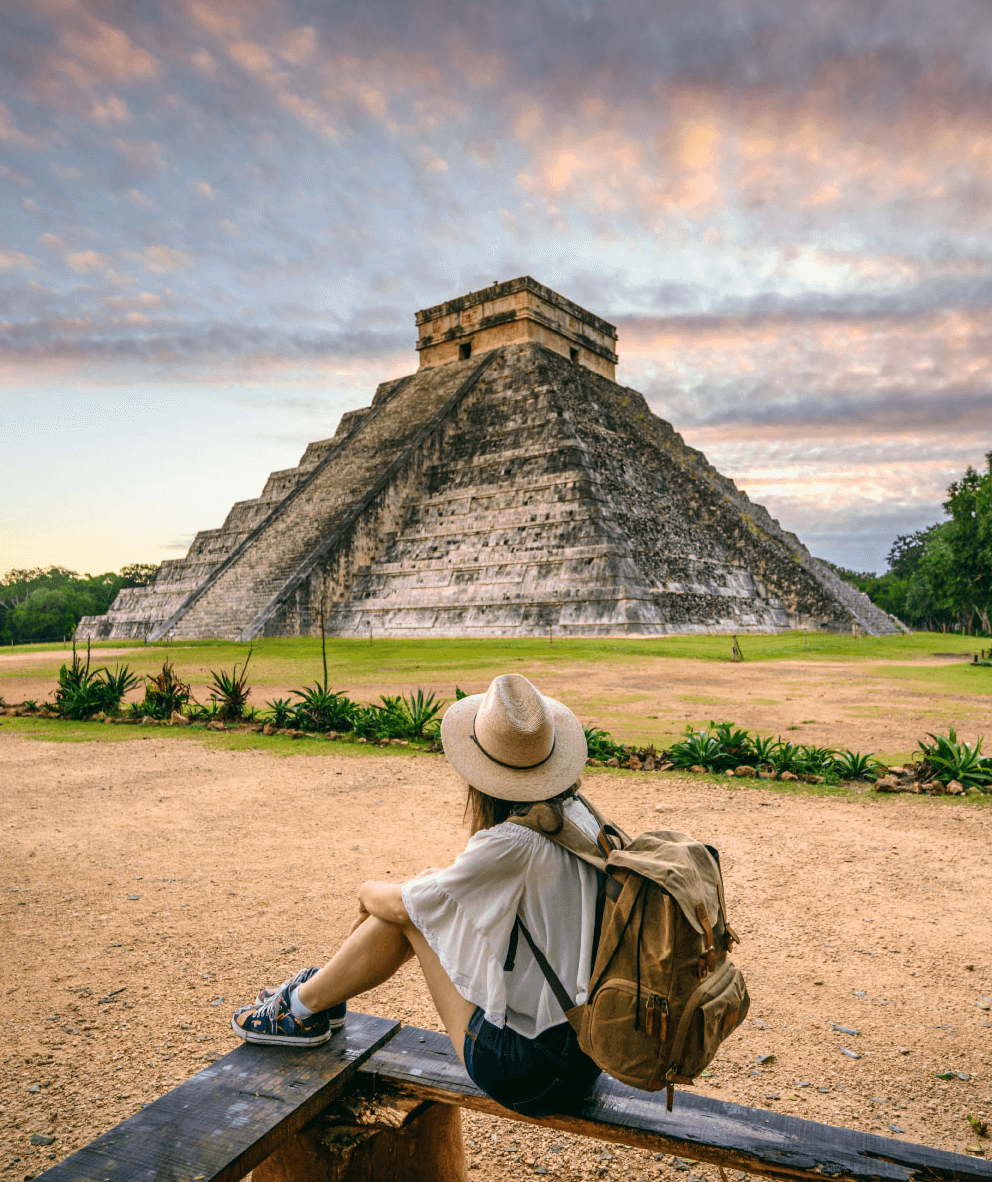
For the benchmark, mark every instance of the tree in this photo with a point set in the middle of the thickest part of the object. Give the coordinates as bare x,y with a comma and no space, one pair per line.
46,603
941,577
969,573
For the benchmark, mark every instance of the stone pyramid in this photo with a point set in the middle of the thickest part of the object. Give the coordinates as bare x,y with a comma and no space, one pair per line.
507,487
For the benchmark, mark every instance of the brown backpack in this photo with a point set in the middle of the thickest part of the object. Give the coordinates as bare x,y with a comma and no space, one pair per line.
663,993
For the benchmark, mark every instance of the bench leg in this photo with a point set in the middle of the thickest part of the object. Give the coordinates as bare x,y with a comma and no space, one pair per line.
427,1148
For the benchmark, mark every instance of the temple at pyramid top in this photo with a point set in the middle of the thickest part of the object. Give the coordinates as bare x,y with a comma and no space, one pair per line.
514,313
507,487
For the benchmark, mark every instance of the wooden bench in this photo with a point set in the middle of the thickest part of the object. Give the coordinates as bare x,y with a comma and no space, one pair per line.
383,1101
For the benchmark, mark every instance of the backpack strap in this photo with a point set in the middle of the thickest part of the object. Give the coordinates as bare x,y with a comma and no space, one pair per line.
608,827
552,978
541,819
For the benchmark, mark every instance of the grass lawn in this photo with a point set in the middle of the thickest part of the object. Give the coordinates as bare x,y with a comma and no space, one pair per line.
295,660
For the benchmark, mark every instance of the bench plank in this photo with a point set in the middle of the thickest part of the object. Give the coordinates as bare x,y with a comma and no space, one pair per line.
229,1117
700,1127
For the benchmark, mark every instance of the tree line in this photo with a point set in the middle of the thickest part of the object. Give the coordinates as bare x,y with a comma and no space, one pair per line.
940,578
46,603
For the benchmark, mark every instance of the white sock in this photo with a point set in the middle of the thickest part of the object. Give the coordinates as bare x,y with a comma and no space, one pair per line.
296,1007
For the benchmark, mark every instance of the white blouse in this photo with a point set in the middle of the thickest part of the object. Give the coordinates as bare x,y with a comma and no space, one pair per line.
466,913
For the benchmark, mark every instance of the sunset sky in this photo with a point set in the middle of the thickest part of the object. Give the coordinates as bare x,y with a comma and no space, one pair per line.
218,219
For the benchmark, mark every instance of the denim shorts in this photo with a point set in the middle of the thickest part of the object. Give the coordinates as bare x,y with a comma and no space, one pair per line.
532,1076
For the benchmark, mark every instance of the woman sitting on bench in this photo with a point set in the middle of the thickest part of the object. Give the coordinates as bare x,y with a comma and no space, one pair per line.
514,747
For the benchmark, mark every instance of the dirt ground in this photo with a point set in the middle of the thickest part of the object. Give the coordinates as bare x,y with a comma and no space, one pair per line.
151,886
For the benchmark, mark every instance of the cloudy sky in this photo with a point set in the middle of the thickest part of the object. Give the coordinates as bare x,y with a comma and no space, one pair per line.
219,217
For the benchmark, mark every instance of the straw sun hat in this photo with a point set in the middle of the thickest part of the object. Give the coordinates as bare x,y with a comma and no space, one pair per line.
514,743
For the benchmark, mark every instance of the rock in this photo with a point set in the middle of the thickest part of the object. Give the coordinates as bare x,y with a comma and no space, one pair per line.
149,721
634,764
766,775
844,1029
649,764
216,725
296,734
697,767
331,736
849,1054
896,1129
744,772
269,729
590,762
100,716
955,787
611,762
383,743
890,783
361,739
764,1060
177,719
666,766
35,1088
788,776
42,1139
399,742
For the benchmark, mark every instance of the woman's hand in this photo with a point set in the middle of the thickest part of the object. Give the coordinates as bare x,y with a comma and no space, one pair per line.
429,870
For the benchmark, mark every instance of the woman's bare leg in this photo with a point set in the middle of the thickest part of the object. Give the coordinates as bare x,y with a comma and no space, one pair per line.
371,955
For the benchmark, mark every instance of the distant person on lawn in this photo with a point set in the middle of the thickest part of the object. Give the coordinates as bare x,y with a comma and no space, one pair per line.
514,747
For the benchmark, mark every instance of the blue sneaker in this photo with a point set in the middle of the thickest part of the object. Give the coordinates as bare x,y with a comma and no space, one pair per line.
335,1015
273,1022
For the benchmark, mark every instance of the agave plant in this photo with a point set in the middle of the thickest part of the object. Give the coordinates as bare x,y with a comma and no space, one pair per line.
698,747
321,709
735,743
852,765
785,758
83,692
947,759
165,693
281,712
600,745
816,761
763,748
421,711
230,691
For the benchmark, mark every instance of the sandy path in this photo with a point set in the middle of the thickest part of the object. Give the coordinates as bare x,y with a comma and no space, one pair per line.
184,875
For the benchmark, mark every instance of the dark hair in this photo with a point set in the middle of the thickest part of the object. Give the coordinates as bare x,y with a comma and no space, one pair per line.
483,812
